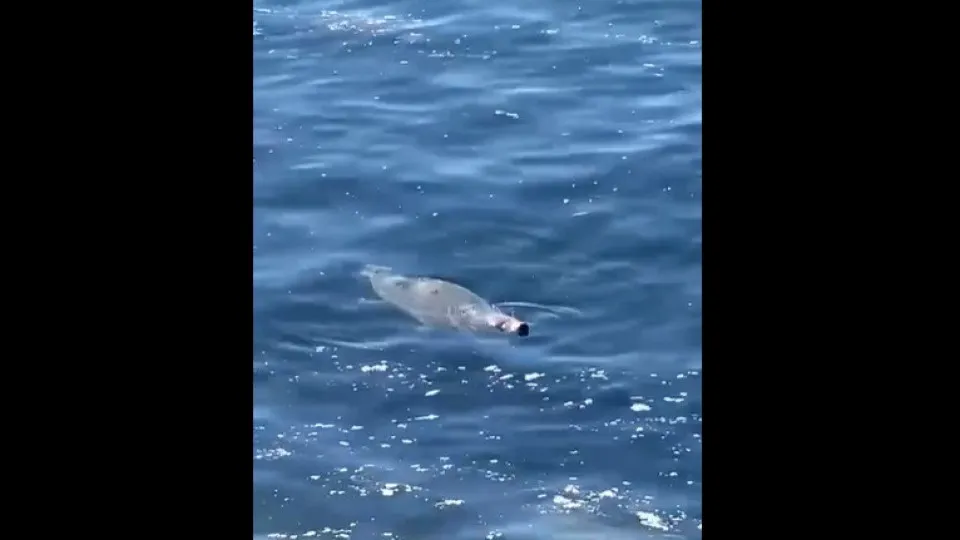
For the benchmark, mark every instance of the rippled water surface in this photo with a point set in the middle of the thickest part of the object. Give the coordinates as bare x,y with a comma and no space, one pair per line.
545,154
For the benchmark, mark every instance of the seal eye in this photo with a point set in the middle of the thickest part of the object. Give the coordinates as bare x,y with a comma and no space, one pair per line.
500,326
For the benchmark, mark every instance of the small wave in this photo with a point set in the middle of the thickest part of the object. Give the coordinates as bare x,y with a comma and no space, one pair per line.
370,270
358,345
554,312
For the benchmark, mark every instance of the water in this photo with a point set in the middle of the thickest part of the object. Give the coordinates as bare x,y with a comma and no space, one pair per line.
543,153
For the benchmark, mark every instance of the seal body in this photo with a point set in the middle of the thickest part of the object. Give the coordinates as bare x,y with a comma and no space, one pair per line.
437,302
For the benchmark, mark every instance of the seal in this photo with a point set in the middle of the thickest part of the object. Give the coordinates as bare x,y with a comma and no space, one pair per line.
438,302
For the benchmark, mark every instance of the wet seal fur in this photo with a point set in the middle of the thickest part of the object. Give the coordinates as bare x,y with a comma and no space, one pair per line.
439,302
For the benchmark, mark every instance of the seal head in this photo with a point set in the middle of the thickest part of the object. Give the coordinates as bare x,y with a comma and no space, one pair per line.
508,325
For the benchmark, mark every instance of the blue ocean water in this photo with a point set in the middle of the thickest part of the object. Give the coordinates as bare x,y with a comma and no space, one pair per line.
541,153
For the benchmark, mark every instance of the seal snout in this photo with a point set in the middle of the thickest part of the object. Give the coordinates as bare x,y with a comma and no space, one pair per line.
513,326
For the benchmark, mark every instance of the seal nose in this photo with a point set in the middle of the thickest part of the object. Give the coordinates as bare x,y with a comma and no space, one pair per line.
523,329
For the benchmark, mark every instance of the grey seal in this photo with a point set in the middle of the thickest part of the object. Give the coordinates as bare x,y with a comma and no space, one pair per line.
437,302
